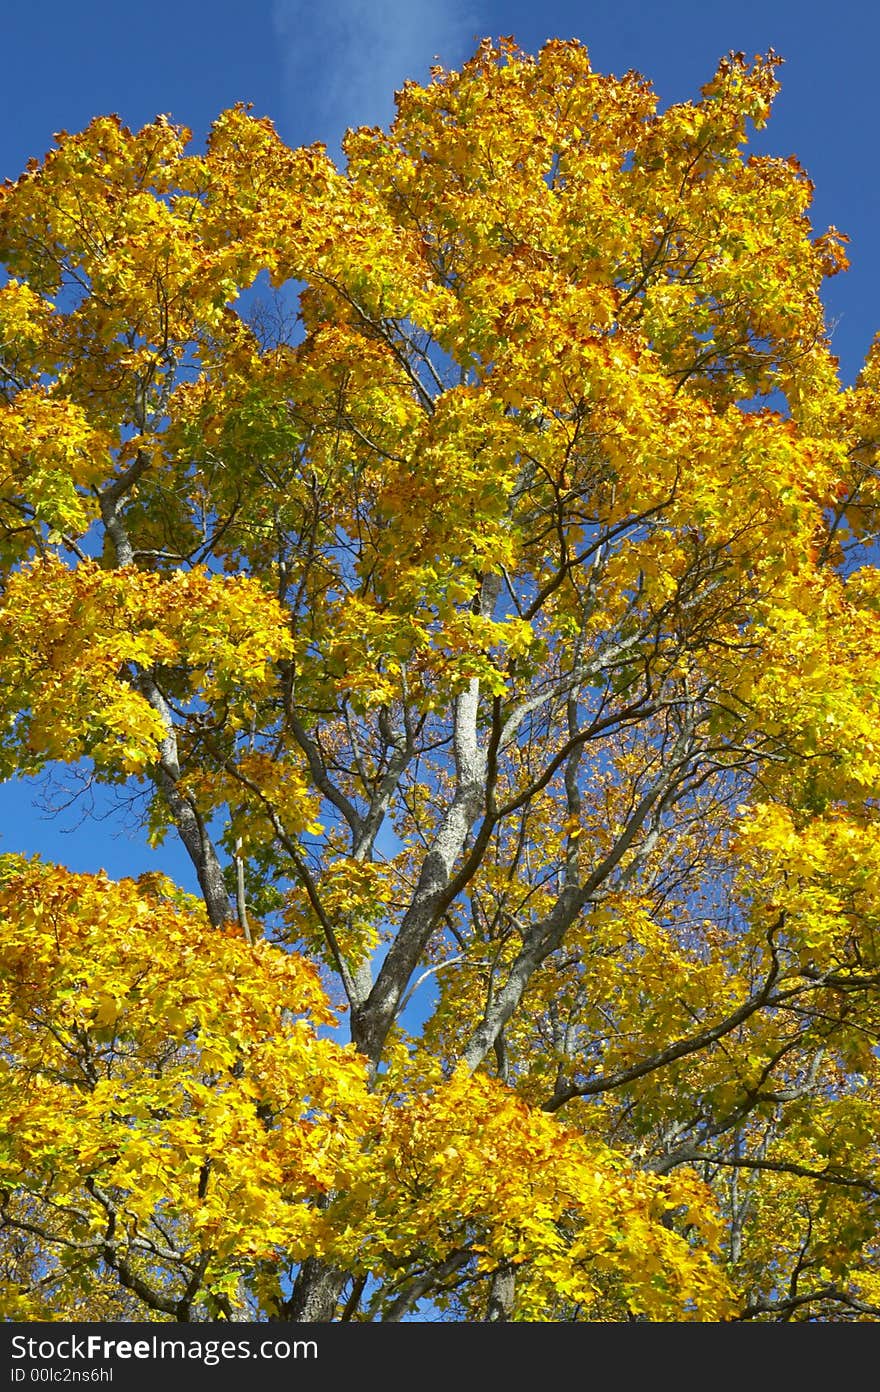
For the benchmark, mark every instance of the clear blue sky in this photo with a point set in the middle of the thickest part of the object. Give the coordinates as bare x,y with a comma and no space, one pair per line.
315,70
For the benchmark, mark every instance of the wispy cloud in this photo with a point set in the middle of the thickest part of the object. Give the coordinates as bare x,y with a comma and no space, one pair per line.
344,60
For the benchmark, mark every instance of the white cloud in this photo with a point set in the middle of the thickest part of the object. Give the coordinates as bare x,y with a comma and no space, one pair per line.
344,60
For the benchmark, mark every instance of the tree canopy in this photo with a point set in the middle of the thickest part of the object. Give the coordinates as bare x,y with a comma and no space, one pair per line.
491,609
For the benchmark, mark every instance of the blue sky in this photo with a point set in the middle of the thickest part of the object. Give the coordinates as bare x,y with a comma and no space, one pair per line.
315,71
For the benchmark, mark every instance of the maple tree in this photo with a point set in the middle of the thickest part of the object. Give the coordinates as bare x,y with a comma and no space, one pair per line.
500,637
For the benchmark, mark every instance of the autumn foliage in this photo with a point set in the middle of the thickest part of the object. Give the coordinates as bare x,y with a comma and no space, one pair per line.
491,610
